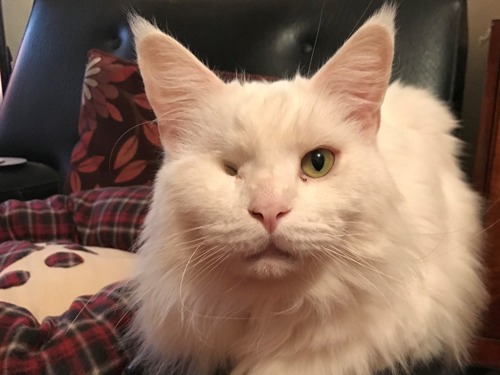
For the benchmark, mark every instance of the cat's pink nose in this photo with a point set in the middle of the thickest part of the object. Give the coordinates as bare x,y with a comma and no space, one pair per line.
268,212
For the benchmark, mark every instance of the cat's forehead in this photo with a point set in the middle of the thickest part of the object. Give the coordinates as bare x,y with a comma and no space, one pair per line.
280,116
264,117
261,105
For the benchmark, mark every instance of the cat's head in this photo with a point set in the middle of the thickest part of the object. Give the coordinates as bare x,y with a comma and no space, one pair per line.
269,180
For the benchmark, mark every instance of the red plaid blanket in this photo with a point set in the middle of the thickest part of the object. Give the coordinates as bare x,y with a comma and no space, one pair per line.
88,337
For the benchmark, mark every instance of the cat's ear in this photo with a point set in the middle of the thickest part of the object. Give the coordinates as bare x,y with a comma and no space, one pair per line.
358,74
175,81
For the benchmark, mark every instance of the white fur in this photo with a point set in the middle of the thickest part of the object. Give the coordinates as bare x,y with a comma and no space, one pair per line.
387,269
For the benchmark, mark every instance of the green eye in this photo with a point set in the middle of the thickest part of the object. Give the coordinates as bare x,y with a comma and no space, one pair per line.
318,163
230,169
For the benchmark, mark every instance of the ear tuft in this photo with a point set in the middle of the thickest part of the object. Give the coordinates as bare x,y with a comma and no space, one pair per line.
141,28
384,17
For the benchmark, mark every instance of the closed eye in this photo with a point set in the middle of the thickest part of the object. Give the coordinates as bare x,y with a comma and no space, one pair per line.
230,169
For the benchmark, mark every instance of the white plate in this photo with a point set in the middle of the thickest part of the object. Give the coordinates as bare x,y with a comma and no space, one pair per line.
4,161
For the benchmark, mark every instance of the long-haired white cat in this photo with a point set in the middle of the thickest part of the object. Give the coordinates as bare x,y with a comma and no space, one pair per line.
308,227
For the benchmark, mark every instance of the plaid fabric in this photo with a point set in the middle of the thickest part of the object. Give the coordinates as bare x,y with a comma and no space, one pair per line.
74,246
108,217
12,251
87,339
63,260
37,220
14,278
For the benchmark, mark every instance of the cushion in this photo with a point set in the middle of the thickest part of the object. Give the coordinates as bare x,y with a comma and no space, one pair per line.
31,274
63,282
87,338
119,143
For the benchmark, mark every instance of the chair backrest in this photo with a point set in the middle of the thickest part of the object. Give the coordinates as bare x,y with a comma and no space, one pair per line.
39,115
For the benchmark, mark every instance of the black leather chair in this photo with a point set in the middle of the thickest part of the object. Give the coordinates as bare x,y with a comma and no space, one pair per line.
39,114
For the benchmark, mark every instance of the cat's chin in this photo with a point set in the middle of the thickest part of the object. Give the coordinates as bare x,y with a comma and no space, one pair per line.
270,252
270,262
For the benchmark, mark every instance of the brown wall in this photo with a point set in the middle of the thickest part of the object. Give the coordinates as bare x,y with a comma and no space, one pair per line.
480,13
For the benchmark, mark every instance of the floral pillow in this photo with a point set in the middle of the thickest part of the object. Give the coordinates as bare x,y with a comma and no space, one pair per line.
119,143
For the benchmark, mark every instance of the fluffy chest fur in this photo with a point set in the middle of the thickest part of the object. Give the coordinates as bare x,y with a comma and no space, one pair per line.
288,234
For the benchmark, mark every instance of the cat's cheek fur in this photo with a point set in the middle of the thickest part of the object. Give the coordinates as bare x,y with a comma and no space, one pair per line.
169,305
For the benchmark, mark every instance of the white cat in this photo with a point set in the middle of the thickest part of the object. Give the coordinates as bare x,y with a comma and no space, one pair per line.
308,227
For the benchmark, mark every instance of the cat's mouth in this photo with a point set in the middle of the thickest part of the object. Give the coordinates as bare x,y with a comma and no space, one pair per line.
271,251
269,262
